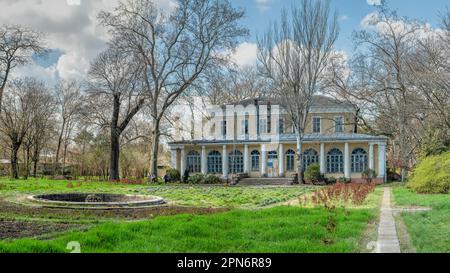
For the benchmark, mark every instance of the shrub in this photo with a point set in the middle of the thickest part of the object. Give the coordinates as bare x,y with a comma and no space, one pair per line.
197,178
212,179
431,175
355,193
174,175
312,173
343,179
369,175
331,180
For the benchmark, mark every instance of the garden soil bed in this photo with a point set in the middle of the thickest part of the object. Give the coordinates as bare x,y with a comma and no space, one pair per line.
11,229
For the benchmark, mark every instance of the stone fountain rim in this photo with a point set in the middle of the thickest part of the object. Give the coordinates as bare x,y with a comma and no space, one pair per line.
149,200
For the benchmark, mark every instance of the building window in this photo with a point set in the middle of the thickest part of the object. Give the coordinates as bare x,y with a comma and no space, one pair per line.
290,159
338,124
359,160
236,162
263,126
255,161
316,124
194,162
281,126
214,162
244,127
335,161
224,128
272,155
310,156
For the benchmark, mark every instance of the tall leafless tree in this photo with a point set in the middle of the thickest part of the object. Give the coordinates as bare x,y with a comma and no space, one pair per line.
70,102
294,55
17,46
175,47
115,77
23,106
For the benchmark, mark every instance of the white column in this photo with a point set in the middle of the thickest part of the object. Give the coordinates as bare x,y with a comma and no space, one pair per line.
204,161
246,169
225,162
371,157
281,161
346,161
183,162
263,160
173,160
322,158
381,160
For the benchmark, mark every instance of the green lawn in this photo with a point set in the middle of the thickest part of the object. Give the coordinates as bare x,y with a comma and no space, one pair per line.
279,229
429,231
207,196
255,221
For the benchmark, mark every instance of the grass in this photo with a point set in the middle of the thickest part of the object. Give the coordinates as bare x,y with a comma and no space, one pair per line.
206,196
279,229
430,230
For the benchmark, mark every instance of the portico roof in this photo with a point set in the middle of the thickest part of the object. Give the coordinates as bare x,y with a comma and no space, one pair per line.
290,138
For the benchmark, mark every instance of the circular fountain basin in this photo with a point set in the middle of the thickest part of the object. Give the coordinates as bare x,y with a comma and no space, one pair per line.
96,200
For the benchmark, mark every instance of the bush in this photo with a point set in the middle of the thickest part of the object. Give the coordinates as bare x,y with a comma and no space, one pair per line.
197,178
312,173
343,179
330,180
369,175
431,175
174,175
212,179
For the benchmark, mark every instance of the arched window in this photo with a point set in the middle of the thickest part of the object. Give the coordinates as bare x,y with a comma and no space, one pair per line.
310,156
290,159
255,160
214,162
235,162
272,155
194,162
359,160
335,161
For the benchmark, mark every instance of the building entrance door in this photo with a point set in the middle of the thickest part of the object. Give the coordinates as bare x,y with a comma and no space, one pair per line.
272,168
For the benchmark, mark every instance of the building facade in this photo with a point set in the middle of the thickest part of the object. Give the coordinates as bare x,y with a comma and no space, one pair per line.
255,137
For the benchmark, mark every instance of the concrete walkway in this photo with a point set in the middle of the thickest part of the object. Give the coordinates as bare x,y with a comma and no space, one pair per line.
387,234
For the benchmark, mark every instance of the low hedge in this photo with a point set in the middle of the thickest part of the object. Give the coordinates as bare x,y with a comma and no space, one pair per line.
431,175
199,178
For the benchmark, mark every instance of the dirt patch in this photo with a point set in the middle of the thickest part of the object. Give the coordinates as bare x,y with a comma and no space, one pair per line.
10,229
11,210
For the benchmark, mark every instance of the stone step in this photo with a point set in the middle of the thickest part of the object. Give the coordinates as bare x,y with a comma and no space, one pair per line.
265,181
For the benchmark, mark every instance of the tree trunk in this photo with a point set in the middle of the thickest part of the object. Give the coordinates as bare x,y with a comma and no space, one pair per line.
115,142
59,147
114,156
27,162
299,159
14,164
153,173
35,163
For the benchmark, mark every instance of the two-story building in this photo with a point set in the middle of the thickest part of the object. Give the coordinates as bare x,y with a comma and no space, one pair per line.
257,138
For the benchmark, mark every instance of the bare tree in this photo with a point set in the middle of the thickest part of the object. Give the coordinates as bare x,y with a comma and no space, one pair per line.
175,48
70,101
22,108
17,46
294,57
115,77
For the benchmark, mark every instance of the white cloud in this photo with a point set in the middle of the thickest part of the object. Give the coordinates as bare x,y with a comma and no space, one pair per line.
245,54
70,26
369,20
263,5
343,18
374,2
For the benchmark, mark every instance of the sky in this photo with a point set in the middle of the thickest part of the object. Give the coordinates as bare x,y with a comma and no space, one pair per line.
75,38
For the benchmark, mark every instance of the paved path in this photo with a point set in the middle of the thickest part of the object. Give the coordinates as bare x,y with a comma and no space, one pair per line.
387,234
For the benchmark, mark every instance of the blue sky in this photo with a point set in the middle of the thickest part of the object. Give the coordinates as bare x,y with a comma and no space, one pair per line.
259,14
76,37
